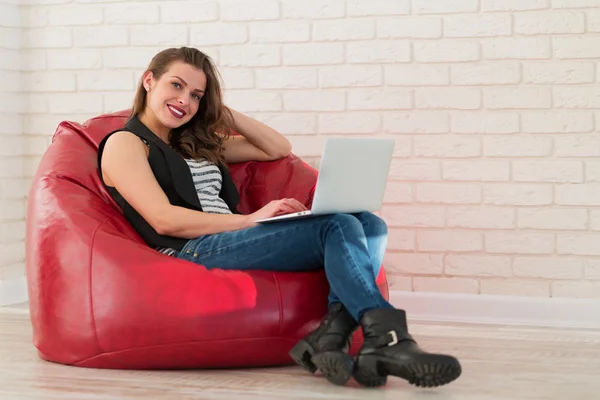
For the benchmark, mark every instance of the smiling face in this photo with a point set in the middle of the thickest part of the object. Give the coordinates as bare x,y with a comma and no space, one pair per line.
179,99
174,98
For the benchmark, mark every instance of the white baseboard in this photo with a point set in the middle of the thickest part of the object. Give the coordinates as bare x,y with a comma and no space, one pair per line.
13,291
499,310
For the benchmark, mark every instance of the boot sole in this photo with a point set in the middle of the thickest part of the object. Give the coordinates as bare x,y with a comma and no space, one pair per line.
302,354
336,366
424,370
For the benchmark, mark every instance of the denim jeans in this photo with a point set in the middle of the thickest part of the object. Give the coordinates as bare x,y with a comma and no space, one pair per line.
350,247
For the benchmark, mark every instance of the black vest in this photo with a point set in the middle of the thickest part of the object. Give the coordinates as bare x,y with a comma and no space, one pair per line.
174,177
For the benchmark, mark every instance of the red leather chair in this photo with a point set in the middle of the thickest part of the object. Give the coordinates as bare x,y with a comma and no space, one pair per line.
101,298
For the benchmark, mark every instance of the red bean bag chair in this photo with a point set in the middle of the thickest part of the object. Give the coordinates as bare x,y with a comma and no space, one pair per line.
101,298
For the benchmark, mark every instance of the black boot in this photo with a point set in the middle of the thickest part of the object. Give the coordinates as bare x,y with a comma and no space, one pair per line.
389,350
326,348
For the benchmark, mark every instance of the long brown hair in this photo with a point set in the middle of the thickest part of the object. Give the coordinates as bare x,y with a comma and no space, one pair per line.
196,138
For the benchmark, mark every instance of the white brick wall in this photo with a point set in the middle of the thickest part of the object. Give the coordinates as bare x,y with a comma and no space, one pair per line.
13,186
494,105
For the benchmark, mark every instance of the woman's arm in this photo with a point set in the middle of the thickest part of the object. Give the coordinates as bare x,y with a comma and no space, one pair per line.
125,166
258,142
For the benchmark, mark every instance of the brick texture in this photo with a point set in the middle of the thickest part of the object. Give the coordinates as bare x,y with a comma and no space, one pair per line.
494,185
13,184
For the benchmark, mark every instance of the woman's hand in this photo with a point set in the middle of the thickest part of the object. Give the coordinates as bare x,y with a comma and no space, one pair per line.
277,207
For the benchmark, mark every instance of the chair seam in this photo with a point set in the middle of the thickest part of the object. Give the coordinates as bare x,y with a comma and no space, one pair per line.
93,240
290,339
280,300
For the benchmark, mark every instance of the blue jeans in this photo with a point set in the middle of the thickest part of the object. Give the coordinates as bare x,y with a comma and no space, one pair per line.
350,247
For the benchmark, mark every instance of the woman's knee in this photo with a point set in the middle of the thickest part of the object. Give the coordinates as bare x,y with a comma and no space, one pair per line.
345,221
373,223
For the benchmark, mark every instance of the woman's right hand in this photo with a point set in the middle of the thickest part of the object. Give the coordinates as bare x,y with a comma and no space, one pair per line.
277,207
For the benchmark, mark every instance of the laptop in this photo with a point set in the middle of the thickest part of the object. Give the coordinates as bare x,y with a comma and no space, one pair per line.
352,178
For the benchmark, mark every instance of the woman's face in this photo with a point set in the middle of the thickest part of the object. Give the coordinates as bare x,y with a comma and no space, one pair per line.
174,98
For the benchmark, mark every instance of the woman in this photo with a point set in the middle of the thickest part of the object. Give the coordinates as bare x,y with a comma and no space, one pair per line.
167,171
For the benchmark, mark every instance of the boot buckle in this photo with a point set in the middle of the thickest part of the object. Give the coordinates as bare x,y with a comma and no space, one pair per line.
394,338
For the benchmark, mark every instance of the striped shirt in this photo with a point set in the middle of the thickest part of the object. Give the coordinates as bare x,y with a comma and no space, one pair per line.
207,181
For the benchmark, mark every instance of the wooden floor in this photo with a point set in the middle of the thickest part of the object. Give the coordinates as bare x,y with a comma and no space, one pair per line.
498,363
